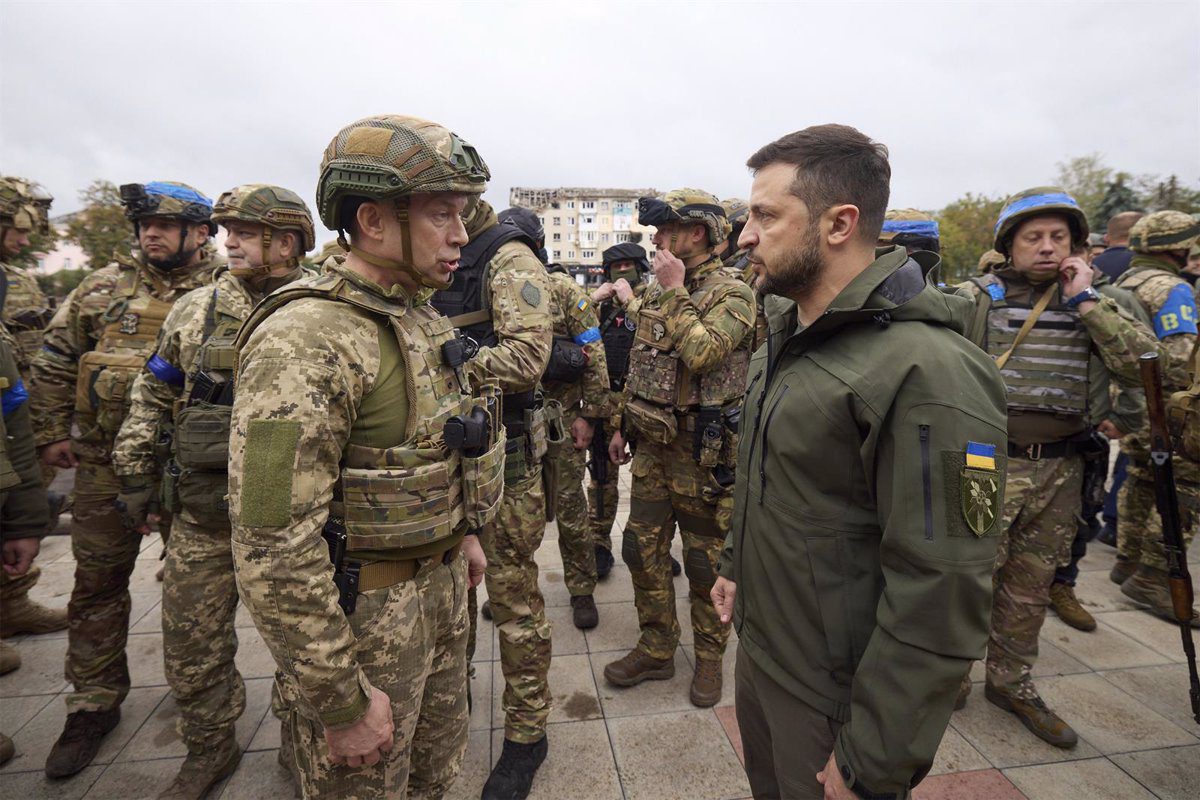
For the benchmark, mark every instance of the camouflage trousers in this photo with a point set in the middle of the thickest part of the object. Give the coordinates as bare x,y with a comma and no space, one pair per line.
1040,506
602,523
98,613
1139,527
411,644
518,609
13,589
199,642
574,535
669,487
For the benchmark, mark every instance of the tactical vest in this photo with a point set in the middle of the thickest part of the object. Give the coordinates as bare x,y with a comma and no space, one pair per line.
617,331
25,317
419,492
131,325
661,385
1048,372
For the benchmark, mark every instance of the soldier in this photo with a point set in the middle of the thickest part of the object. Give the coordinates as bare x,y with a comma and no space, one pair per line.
737,212
95,346
500,302
23,512
1160,244
24,313
181,404
1040,318
682,398
576,378
989,261
362,462
625,269
914,230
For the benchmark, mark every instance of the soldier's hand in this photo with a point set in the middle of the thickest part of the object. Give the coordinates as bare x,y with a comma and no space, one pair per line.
364,742
668,269
1075,275
582,431
722,594
1110,430
831,779
624,291
603,292
19,555
476,560
58,454
136,501
616,449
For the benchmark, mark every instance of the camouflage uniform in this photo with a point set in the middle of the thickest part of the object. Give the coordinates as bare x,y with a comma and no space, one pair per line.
515,355
93,349
575,319
342,396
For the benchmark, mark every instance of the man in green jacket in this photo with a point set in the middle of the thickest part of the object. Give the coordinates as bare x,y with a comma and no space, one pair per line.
870,481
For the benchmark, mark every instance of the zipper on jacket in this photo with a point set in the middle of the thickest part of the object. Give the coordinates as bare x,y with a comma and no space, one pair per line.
762,456
927,481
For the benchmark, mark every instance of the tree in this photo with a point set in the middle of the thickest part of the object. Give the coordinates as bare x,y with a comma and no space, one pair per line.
1118,196
61,283
100,229
966,229
1087,178
38,243
1158,194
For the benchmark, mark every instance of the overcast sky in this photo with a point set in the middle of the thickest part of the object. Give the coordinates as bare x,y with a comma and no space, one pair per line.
983,97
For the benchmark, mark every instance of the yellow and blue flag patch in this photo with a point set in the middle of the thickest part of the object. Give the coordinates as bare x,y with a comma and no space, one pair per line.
581,305
981,456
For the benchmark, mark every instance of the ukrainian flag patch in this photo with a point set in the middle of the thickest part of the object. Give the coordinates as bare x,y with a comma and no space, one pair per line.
581,305
981,456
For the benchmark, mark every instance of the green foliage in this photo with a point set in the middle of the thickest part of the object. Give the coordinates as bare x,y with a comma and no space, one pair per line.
100,229
63,282
1119,196
1158,194
966,229
38,243
1086,178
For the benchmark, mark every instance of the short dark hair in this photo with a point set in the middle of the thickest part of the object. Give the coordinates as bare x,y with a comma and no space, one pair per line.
834,164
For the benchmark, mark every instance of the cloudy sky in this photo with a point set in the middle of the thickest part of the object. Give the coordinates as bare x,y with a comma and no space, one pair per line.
969,96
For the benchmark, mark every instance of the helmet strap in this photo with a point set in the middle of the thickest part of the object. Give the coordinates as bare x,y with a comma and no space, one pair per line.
406,265
265,269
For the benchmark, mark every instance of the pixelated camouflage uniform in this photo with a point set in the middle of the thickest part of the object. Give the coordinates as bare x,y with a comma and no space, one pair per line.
710,321
199,594
575,318
341,398
518,289
1139,533
94,347
1042,495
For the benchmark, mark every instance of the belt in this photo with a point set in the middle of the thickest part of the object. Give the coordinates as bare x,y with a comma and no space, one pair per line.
1036,452
381,574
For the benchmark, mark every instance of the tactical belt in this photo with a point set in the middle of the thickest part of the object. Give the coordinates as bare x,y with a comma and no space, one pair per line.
1036,452
381,574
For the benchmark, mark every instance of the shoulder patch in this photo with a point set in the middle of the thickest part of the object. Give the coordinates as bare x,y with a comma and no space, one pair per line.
996,290
531,294
267,472
1178,313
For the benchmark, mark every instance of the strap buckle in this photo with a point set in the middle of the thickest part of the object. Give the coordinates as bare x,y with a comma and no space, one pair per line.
1034,452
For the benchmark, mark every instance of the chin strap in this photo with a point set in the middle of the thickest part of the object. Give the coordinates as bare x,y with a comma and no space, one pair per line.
406,265
265,269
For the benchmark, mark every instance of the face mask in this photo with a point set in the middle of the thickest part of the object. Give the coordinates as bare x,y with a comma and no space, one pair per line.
630,274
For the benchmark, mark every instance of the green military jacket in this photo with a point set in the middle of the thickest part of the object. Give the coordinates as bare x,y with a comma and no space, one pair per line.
862,543
23,511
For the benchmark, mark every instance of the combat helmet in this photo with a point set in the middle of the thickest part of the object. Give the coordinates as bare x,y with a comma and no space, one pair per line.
276,209
392,156
686,205
911,229
24,205
1034,203
167,199
1164,231
990,261
737,212
625,251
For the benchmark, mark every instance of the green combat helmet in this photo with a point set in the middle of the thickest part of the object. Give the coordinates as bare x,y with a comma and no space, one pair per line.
24,205
737,212
1035,203
989,261
391,156
686,205
1163,232
910,228
276,209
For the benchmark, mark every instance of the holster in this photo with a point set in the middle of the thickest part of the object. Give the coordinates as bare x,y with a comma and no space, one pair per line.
345,575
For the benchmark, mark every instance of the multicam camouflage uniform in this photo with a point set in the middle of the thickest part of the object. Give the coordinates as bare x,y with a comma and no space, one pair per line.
342,396
93,350
575,320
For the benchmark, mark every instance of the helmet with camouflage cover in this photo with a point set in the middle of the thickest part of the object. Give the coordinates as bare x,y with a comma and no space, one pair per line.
1164,231
392,156
1036,202
989,261
737,212
686,205
24,205
910,228
168,199
274,208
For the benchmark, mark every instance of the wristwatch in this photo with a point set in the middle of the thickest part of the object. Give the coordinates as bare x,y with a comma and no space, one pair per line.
1087,294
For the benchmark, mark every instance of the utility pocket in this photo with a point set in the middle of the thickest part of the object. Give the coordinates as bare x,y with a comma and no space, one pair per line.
204,495
102,390
1183,419
202,437
483,485
655,424
396,508
535,429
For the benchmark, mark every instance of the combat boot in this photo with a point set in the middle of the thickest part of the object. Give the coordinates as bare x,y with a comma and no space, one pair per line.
584,613
201,771
1067,606
676,569
7,750
1034,715
25,616
1108,533
485,610
1122,570
80,741
10,659
964,691
1151,587
513,774
636,667
604,562
706,683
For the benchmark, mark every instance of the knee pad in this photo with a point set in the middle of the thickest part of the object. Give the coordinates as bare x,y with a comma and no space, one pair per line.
630,553
698,569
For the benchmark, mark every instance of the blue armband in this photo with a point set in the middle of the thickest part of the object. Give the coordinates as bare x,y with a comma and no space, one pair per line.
13,397
588,336
164,370
1178,313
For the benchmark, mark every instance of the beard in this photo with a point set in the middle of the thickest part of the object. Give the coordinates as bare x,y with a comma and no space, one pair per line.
800,268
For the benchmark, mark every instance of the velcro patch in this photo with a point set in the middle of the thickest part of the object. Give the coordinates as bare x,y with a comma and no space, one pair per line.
267,471
531,294
367,142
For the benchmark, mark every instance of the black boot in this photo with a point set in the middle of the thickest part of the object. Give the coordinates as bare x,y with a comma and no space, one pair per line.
513,773
1108,534
604,562
676,569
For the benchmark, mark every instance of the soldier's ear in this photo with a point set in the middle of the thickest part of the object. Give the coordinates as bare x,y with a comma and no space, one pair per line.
288,244
370,220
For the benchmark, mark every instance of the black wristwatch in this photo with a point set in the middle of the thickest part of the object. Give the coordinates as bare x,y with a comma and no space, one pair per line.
1087,294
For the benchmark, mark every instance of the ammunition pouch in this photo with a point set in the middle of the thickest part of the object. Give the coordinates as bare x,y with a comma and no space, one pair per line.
202,437
651,422
1183,420
483,484
568,361
401,507
201,493
557,442
653,368
708,437
102,393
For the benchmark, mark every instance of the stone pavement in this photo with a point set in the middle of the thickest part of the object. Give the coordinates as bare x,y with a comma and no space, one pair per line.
1123,687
